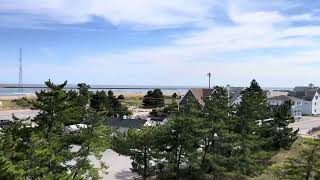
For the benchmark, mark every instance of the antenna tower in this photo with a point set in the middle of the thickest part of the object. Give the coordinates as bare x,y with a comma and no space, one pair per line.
20,85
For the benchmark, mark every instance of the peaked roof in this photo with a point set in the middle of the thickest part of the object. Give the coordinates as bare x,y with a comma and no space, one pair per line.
285,98
201,93
305,92
300,88
309,94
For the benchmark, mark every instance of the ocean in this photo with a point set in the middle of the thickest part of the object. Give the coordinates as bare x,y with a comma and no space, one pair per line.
13,90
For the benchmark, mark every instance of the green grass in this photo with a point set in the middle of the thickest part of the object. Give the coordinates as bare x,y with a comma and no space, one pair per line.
8,104
14,104
280,157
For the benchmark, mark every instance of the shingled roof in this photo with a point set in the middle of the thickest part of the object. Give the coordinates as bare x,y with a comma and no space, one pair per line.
201,93
305,92
309,94
285,98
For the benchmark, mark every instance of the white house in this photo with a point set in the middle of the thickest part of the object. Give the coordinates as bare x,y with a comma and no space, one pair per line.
311,99
296,104
156,121
74,128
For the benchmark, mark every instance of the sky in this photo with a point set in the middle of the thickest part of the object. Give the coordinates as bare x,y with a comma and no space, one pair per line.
161,42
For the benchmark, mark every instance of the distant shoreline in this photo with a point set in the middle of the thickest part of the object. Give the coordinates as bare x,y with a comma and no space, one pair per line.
126,94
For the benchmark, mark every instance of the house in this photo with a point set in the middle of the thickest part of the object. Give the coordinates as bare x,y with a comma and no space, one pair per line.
4,123
199,94
311,98
124,124
156,121
296,107
74,128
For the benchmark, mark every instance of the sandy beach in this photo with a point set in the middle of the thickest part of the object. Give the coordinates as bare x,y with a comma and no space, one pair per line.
9,98
128,95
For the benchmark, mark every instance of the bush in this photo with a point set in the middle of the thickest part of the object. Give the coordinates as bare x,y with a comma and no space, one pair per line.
121,96
22,102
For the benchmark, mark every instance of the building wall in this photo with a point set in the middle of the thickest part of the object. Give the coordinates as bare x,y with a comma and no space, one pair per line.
307,108
296,108
275,102
316,104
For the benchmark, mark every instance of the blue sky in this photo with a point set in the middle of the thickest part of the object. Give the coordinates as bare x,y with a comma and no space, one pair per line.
153,42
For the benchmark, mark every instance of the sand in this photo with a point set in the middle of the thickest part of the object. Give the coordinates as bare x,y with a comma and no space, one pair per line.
32,96
8,98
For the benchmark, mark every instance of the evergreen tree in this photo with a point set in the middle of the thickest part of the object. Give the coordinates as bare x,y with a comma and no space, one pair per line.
13,150
141,146
279,134
304,166
42,150
175,96
180,142
252,113
102,101
153,99
217,138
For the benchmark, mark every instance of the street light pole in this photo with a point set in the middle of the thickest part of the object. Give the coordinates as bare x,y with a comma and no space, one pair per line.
209,75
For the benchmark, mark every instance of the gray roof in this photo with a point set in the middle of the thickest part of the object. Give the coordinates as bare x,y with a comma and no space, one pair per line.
300,88
235,93
125,123
201,93
309,94
285,98
305,92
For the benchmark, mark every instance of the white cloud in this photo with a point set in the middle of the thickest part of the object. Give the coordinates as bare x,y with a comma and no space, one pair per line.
135,12
186,58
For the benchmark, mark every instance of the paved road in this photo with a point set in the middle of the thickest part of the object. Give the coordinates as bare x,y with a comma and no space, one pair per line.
306,123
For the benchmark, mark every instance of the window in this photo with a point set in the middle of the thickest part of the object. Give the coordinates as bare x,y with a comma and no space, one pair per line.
316,97
315,103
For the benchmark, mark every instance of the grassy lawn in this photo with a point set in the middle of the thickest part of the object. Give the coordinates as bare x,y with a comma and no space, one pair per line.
14,104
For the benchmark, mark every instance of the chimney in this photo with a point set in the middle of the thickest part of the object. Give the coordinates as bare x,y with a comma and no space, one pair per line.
311,85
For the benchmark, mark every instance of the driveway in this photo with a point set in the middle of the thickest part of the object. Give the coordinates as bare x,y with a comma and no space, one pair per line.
118,166
306,123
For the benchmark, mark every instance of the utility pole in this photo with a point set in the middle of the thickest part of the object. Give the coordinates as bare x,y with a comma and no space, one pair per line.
209,75
20,72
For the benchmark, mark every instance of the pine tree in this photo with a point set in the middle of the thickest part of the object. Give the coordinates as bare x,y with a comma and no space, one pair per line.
304,166
180,142
42,150
141,146
13,149
217,138
277,130
253,110
153,99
